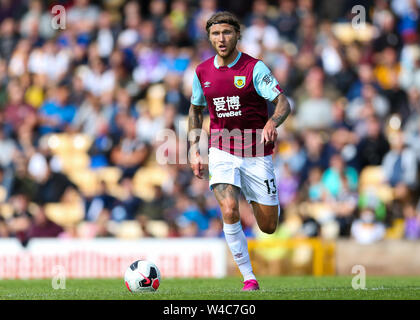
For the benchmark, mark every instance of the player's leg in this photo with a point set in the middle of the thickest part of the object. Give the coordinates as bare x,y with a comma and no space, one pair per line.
259,187
267,216
227,195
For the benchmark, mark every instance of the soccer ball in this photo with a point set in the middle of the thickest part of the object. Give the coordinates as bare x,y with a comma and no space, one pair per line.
142,276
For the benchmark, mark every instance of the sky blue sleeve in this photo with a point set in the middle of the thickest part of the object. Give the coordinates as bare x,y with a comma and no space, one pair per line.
197,97
264,82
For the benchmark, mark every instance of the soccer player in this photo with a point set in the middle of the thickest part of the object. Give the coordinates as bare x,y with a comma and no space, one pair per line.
234,87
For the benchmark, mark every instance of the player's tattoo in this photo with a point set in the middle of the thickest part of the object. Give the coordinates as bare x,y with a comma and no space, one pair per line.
195,122
223,191
282,110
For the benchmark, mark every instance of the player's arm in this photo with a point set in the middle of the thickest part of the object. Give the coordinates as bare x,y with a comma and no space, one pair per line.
268,87
281,112
195,124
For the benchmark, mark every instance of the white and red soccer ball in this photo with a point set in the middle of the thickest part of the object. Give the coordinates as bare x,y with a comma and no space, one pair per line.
142,276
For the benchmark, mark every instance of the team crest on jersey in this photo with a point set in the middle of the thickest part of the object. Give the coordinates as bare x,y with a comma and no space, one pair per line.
239,81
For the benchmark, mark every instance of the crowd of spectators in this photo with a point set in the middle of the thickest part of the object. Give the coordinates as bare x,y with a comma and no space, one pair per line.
119,72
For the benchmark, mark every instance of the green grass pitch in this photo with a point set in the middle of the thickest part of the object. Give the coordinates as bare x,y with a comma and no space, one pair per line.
272,288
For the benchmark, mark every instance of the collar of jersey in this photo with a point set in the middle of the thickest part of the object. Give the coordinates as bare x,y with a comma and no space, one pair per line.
230,65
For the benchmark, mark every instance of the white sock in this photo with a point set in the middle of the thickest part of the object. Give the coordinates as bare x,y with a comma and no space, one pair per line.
238,246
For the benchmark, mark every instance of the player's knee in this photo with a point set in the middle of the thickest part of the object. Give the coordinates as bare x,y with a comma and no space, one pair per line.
230,211
269,227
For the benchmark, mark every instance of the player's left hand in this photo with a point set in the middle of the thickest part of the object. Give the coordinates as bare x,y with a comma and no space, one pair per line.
269,134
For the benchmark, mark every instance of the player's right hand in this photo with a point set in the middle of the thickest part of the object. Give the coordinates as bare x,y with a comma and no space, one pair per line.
196,163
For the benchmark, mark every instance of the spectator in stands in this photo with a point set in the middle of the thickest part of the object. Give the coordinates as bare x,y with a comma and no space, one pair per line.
56,114
287,186
200,215
366,229
313,189
365,76
103,200
42,226
339,179
8,39
102,229
129,205
315,110
316,155
411,222
260,37
83,17
98,77
287,20
8,148
17,113
412,126
400,166
130,153
20,221
358,108
91,117
159,206
52,186
373,147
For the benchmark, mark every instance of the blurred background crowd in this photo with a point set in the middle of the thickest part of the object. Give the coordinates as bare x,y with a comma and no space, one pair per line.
81,109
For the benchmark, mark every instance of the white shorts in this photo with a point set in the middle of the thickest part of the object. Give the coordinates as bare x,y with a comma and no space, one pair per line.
253,175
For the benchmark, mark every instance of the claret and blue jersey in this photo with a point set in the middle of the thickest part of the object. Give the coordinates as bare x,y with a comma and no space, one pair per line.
236,97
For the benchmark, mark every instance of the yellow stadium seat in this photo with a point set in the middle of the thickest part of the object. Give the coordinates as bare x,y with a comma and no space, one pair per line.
65,214
81,142
86,180
156,99
6,210
60,143
3,194
146,178
110,175
128,230
372,179
372,175
74,161
396,231
158,228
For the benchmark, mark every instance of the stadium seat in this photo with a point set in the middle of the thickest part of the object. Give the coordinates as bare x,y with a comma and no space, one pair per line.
3,194
372,179
372,175
6,210
60,143
396,231
65,214
156,99
158,228
346,33
86,180
146,178
81,142
73,161
110,175
128,230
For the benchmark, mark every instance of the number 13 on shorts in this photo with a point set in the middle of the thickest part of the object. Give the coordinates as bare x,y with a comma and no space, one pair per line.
271,186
